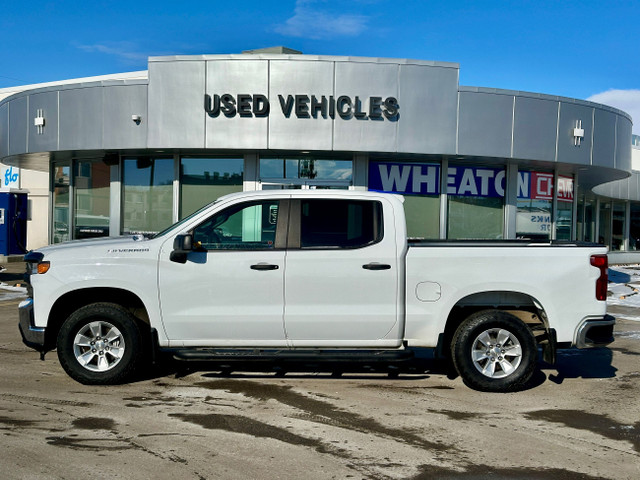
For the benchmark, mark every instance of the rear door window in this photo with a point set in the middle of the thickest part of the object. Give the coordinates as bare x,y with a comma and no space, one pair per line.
328,223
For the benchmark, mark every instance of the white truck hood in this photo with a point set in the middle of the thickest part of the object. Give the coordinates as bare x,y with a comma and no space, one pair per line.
98,245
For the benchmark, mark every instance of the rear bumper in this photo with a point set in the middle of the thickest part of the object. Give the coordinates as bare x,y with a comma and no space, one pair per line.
32,336
595,332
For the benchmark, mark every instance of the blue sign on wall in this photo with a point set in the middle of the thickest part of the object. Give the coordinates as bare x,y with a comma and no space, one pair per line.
405,178
424,179
475,182
10,177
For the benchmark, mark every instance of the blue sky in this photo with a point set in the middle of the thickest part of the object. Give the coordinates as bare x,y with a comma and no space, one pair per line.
587,49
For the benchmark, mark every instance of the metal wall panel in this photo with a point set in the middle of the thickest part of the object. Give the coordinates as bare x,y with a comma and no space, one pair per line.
48,139
428,98
535,129
4,130
604,138
81,119
366,80
485,121
567,151
176,104
120,103
18,125
623,188
247,77
300,78
623,143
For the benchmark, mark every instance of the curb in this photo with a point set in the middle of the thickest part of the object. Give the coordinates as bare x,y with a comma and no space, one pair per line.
11,258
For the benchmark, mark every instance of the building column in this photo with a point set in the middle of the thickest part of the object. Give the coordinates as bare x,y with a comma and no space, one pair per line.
511,201
360,171
115,199
444,168
574,213
251,175
627,225
176,188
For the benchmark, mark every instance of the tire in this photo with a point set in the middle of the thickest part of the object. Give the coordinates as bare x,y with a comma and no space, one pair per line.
100,344
493,351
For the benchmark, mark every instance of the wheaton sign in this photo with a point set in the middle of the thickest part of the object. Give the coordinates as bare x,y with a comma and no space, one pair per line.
424,179
303,106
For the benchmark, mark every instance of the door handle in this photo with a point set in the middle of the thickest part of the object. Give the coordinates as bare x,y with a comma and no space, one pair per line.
376,266
264,266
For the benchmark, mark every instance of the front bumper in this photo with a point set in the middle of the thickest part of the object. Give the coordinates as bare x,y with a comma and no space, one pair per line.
32,336
595,332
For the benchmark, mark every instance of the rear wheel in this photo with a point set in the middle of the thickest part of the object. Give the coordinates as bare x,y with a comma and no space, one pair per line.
494,351
100,344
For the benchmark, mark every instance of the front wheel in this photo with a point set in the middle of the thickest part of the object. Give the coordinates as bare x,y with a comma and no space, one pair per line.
493,351
100,344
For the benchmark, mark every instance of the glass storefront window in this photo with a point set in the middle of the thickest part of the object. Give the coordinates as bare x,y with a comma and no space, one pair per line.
589,221
534,219
564,221
634,227
202,180
423,216
91,180
564,215
586,217
618,226
306,168
535,203
419,183
475,218
61,225
475,205
604,229
147,191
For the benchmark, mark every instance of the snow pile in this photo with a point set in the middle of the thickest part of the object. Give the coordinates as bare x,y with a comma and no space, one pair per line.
624,292
624,285
11,292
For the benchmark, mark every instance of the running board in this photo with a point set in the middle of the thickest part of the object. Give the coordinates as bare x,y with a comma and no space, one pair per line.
390,362
352,357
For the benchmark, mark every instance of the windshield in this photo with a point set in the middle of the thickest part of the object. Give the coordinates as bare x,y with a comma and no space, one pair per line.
181,222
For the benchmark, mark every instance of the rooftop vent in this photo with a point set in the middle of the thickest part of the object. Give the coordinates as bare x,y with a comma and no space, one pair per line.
285,50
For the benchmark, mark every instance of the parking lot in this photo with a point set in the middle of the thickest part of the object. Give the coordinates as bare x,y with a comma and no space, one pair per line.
579,419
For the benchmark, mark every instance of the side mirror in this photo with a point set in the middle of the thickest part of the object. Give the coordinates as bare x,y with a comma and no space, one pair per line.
182,245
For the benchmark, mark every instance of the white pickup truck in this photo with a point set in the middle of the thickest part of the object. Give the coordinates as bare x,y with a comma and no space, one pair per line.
312,275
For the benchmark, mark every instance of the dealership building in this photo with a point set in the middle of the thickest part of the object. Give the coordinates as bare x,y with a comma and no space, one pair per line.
133,153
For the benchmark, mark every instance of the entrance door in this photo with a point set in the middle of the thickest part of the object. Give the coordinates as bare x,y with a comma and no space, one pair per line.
230,290
341,278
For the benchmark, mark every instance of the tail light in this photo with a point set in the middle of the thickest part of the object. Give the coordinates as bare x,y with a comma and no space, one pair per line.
601,262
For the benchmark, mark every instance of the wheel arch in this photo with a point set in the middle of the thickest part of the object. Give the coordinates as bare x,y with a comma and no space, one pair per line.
72,301
521,305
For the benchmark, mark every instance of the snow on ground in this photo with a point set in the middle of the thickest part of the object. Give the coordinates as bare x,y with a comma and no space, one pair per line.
624,285
624,290
10,292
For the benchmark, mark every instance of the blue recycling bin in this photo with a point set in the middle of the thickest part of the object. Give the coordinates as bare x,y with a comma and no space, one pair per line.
13,223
